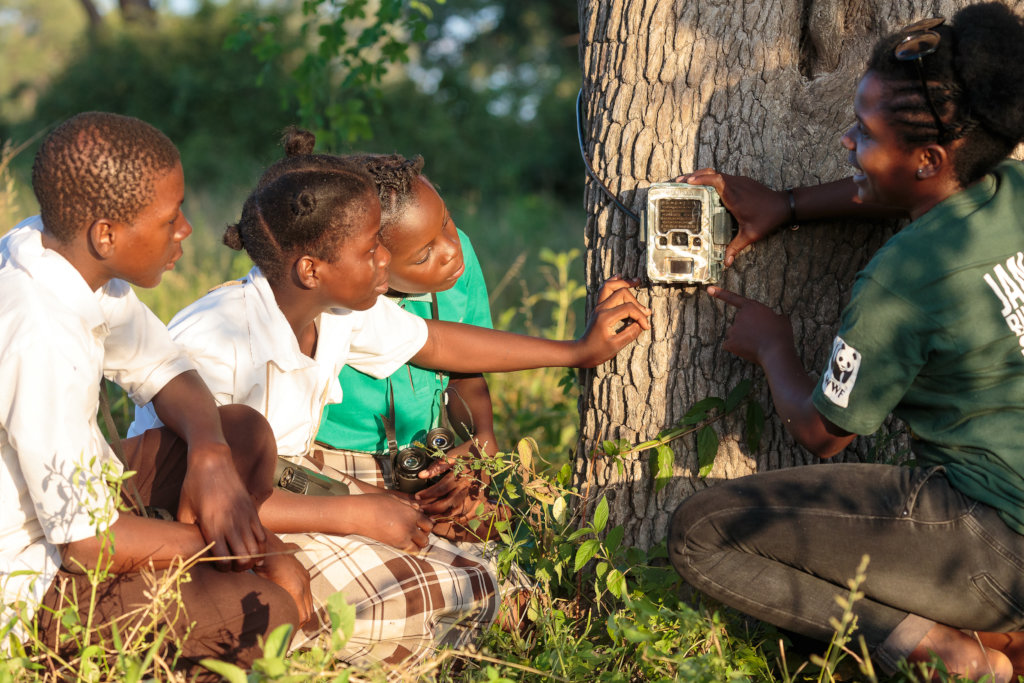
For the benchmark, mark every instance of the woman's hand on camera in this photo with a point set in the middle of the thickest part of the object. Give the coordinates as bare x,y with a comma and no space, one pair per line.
759,211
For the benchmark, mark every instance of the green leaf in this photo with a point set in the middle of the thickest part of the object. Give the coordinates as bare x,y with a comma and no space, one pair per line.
558,510
601,515
277,641
343,619
616,583
585,553
754,427
701,408
707,449
228,671
666,466
565,475
738,393
614,538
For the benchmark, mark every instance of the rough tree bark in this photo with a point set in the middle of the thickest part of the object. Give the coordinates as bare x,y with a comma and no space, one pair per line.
754,87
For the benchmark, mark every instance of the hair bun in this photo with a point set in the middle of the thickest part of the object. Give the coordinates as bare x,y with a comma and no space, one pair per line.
297,141
991,47
233,237
303,203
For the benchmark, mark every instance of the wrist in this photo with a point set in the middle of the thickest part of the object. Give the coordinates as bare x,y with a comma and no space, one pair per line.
208,451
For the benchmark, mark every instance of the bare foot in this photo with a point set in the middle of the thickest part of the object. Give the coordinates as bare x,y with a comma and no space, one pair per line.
963,656
1010,644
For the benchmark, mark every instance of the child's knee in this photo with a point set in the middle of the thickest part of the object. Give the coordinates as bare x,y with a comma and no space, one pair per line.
253,447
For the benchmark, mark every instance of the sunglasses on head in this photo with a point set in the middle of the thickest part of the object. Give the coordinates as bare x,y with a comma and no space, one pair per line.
920,40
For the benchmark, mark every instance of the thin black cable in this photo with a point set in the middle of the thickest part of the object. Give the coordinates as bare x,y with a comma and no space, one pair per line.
586,161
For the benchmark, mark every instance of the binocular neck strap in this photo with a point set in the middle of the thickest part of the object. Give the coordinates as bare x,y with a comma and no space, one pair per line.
386,461
389,422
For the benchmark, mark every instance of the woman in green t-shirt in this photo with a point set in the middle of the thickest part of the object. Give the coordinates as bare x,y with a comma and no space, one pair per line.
933,333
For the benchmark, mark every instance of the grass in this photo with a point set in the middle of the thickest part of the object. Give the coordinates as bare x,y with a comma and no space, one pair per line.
601,611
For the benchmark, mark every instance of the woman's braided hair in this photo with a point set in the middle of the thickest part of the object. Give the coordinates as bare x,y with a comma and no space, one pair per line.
975,81
305,204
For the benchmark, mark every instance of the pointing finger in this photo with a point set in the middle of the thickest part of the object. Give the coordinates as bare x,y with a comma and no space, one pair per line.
728,297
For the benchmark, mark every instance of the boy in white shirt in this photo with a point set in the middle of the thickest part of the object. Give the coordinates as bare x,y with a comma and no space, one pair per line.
110,190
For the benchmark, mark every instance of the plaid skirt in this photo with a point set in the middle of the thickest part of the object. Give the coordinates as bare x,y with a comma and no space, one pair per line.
407,604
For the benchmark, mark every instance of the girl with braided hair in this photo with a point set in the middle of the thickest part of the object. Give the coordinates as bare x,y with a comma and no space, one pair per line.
277,340
434,272
932,333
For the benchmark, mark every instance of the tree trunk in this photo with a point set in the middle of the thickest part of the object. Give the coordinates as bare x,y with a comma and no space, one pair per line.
757,88
93,14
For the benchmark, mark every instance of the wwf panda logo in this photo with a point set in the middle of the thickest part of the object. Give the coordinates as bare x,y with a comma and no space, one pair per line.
843,365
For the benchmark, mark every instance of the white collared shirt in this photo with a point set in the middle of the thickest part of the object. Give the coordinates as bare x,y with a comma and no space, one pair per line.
246,352
58,338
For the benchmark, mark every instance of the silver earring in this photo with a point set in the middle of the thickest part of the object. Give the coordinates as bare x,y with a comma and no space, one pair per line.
920,174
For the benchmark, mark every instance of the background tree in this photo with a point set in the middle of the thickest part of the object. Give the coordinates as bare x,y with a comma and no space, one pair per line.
751,87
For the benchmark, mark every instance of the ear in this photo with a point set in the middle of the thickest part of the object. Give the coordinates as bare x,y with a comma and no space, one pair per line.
932,160
102,236
305,270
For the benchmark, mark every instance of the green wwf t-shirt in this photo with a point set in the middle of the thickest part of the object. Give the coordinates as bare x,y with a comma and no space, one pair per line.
934,333
355,423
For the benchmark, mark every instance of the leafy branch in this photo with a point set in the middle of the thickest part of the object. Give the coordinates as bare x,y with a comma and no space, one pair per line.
699,418
346,49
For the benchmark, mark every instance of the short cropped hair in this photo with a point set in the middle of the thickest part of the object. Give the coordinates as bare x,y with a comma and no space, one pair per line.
98,165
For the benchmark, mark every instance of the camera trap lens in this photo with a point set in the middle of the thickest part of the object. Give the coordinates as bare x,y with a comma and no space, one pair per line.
679,239
680,266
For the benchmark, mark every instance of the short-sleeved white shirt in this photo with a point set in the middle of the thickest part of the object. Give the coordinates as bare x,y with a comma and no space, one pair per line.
246,352
58,338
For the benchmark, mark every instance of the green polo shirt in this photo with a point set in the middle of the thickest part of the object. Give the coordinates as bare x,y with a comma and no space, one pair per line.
934,333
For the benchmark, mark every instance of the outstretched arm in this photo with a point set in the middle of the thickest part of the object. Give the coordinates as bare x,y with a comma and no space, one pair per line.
212,494
385,518
761,336
760,211
468,349
134,542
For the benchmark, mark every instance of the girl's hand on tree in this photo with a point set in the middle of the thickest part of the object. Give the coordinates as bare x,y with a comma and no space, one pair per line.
284,569
616,321
759,211
756,331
